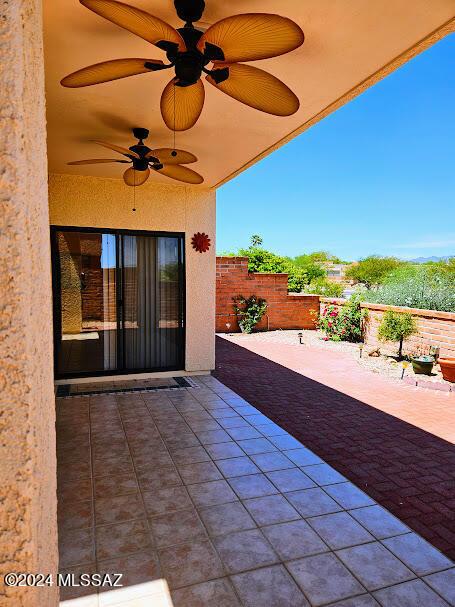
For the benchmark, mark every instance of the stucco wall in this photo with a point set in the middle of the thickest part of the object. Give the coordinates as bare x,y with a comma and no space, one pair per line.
107,203
28,520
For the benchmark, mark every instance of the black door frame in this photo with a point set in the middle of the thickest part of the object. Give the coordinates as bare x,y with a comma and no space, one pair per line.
56,297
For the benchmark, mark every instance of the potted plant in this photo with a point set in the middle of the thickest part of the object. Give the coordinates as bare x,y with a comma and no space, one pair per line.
447,365
422,365
249,311
397,326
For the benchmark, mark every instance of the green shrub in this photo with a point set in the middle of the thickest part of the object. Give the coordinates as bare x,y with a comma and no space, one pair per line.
249,311
397,326
316,257
372,270
344,323
322,286
261,260
425,286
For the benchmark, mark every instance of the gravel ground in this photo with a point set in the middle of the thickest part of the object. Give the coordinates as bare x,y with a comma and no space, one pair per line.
385,365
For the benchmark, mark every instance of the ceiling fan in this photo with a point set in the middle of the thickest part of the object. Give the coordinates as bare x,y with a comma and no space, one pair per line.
165,161
246,37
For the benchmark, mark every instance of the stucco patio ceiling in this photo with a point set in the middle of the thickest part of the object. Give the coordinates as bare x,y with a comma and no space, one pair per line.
350,44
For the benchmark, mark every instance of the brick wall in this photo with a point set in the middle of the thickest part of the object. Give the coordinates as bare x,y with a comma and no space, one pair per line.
435,329
285,311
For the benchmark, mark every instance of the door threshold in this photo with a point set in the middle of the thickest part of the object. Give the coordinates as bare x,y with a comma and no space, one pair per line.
128,376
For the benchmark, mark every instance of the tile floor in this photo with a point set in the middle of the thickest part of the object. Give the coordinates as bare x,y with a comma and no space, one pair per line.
202,501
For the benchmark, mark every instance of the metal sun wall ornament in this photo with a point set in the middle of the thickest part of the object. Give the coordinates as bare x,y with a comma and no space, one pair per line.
166,161
200,242
225,45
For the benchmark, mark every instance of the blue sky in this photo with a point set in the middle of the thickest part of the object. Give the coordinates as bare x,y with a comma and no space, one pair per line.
375,177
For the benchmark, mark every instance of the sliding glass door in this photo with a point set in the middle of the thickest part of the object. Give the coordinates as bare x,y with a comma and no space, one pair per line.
118,301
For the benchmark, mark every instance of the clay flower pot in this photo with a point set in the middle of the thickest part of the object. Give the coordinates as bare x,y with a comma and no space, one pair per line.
448,368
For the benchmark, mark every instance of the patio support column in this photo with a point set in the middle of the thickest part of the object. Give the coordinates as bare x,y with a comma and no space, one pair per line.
28,522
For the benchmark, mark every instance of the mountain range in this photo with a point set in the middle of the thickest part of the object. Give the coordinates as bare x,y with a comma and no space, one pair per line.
432,258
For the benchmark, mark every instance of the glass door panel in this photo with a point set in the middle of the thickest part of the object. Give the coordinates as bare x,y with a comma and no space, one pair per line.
118,302
151,313
86,291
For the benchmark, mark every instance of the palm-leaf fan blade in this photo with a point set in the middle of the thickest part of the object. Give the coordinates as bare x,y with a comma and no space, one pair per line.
107,71
95,161
133,177
117,148
253,36
165,156
187,101
135,20
258,89
180,173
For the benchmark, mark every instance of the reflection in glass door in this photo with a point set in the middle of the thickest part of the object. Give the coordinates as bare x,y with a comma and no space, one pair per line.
150,316
118,302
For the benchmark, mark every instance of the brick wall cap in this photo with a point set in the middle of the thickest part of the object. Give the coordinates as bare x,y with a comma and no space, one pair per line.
413,311
231,257
338,300
384,307
268,273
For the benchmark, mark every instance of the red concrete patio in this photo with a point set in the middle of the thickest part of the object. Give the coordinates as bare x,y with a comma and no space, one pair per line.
394,441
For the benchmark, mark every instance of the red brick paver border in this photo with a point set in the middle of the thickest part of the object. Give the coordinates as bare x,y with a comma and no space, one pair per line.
403,466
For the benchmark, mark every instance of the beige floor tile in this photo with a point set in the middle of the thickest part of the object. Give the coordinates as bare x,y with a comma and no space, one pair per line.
224,450
109,510
177,528
237,466
151,479
271,509
190,455
199,473
216,593
417,554
324,579
245,550
212,493
112,486
268,462
294,540
253,446
374,566
340,530
76,547
75,515
188,564
166,500
226,518
292,479
410,594
312,502
271,586
136,568
113,541
254,485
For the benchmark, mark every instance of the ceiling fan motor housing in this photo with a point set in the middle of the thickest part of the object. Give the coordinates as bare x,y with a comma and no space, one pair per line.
189,10
140,133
